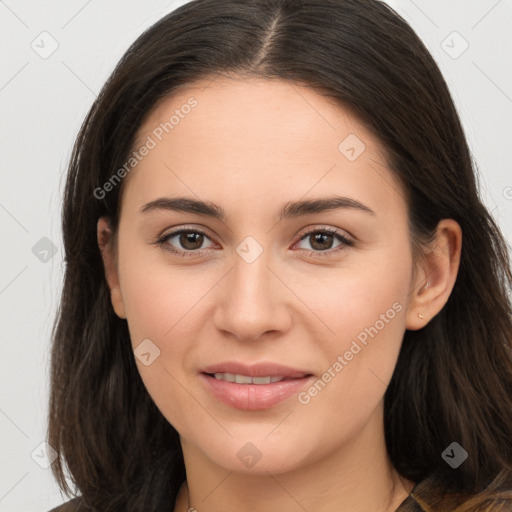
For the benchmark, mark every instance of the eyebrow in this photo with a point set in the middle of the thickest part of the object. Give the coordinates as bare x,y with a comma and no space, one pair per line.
288,211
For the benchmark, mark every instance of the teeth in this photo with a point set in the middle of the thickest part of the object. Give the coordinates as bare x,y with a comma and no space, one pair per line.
261,380
245,379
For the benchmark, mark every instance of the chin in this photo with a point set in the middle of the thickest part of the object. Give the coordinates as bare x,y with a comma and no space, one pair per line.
258,455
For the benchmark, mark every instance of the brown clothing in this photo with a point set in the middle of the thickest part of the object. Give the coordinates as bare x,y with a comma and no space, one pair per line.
74,505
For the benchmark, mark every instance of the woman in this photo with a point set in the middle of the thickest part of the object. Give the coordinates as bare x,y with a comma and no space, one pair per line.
282,290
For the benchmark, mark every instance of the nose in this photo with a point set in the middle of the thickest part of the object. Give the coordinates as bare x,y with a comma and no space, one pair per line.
252,301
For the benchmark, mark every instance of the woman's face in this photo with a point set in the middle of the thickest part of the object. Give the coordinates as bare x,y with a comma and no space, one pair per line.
279,285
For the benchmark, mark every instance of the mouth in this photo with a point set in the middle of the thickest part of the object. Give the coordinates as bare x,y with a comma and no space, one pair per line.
255,387
247,379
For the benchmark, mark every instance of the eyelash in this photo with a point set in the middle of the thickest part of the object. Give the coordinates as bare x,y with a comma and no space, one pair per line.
163,242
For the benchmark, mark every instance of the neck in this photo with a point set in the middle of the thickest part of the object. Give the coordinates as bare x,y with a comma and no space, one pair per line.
357,476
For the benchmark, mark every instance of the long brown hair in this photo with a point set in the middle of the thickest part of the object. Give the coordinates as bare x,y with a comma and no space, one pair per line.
453,378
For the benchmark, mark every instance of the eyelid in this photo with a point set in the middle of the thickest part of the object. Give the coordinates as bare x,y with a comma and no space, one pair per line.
329,229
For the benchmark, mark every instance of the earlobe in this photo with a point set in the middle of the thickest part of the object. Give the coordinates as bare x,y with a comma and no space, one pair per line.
437,276
105,243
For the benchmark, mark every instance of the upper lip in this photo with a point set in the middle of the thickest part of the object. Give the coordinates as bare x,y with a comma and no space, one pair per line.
261,369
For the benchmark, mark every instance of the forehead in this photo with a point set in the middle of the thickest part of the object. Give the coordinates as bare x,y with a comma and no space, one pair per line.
256,107
251,135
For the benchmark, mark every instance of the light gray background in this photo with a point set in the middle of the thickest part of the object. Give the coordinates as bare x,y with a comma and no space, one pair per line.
43,102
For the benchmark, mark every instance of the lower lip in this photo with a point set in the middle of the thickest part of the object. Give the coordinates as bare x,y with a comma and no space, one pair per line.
253,396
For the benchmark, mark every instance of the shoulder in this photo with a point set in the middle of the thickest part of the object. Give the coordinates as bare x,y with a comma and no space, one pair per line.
414,502
74,505
410,504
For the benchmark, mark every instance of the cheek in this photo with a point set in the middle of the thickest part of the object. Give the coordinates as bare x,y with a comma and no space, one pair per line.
371,289
159,298
364,308
161,306
359,363
165,305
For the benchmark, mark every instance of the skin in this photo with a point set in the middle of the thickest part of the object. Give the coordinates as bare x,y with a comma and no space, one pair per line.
252,145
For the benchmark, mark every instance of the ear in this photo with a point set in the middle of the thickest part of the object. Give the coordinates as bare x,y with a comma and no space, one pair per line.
108,253
436,275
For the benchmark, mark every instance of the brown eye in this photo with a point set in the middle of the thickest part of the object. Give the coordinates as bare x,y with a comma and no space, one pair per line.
191,240
321,241
185,242
324,241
